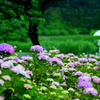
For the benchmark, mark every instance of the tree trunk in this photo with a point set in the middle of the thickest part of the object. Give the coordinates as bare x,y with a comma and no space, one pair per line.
33,33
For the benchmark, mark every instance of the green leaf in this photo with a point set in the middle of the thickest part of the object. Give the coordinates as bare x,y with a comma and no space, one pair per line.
2,88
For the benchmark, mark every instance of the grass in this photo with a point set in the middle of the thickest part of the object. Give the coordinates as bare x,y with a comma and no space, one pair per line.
71,43
66,44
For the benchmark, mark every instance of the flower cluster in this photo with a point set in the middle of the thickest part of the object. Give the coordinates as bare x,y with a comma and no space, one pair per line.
49,75
36,48
85,82
6,48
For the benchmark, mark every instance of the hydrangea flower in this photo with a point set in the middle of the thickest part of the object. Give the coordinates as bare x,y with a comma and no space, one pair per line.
79,73
7,64
6,48
70,54
54,51
19,69
96,80
26,58
92,60
96,68
36,48
71,64
28,86
91,55
1,61
77,63
1,82
56,60
60,55
92,91
76,99
84,78
0,72
1,98
84,84
6,77
42,56
64,69
55,83
29,72
82,59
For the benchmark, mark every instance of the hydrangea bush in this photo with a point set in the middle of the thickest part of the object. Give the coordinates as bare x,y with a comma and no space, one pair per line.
6,48
49,75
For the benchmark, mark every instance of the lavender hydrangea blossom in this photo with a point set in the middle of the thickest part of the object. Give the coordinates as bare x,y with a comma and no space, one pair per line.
42,56
85,84
36,48
92,91
82,59
84,78
56,60
6,48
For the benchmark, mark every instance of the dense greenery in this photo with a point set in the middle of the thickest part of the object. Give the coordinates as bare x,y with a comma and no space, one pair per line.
62,18
20,17
72,17
75,44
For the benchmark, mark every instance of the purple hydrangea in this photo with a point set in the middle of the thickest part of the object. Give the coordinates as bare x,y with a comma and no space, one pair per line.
91,90
85,84
6,48
7,64
82,59
98,63
70,54
79,73
60,55
96,80
56,60
42,56
54,51
55,83
84,78
77,63
71,64
92,60
36,48
64,69
91,55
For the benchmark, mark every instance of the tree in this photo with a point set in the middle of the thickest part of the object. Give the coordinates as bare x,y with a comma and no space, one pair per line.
22,16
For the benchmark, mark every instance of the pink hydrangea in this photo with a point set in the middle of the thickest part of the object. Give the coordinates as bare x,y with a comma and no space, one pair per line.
36,48
60,55
1,98
91,90
54,51
70,54
56,60
6,48
42,56
79,73
29,72
71,64
96,80
26,58
82,59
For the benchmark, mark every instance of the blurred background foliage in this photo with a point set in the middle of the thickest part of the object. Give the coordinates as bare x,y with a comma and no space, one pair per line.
65,17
